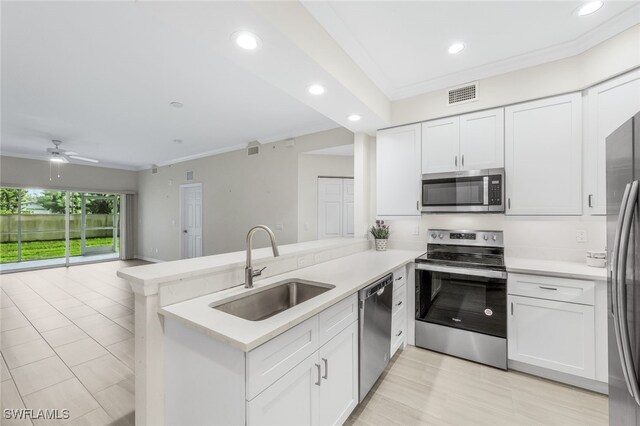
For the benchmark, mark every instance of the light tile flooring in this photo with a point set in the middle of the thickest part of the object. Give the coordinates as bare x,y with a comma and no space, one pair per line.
67,343
427,388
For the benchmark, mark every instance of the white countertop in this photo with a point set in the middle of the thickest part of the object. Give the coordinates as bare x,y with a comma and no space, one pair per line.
348,274
555,268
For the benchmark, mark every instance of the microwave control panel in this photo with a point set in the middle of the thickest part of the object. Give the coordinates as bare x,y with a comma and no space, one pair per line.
495,190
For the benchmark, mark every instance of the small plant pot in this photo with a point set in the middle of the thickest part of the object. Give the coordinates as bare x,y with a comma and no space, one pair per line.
381,245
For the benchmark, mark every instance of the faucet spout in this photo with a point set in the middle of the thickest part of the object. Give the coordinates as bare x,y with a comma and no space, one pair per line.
249,273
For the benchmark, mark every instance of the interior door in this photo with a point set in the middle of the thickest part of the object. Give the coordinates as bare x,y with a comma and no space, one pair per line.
191,221
347,207
330,220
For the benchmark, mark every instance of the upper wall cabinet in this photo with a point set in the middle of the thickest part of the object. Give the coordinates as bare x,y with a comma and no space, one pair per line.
398,171
466,142
543,157
608,106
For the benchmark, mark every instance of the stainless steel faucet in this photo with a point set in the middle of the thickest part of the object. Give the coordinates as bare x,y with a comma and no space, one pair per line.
249,273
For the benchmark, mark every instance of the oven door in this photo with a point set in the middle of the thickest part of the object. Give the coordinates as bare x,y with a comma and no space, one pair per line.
450,192
473,300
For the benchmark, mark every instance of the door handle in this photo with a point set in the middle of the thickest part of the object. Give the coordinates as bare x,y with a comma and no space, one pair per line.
326,368
509,203
462,160
319,375
626,355
590,200
456,161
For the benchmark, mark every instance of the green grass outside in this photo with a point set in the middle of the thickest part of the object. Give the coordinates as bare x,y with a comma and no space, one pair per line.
34,250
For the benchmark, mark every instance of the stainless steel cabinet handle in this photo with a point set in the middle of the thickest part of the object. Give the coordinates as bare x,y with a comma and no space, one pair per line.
547,288
319,375
456,161
627,359
590,200
511,308
399,303
399,333
417,205
462,160
398,279
509,203
326,368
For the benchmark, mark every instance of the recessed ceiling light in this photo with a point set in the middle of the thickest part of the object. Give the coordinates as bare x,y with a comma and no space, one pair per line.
456,48
316,89
176,104
177,141
354,117
247,40
589,8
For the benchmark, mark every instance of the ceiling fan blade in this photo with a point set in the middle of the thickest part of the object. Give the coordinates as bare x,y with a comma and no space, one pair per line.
70,153
89,160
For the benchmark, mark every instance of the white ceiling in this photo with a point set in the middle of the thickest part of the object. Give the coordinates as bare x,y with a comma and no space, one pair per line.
100,76
402,46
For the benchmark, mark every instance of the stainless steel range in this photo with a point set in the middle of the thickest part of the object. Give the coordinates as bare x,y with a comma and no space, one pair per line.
461,296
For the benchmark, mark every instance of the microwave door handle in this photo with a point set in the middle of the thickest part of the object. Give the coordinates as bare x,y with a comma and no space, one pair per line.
485,195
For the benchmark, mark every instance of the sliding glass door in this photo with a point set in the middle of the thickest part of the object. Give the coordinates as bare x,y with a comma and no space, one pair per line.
44,227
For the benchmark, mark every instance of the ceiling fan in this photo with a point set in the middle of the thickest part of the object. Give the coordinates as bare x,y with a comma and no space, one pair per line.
56,155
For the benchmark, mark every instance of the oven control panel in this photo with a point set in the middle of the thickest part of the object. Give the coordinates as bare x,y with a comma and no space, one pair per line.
466,238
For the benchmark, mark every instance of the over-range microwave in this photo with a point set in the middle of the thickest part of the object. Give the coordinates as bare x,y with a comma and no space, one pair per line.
474,191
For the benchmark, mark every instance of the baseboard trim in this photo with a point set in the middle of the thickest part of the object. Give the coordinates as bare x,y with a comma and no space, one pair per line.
569,379
149,259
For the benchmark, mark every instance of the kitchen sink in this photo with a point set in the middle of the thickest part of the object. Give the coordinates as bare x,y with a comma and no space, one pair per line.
264,303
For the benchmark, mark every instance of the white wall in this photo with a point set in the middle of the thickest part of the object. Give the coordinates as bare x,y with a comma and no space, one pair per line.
26,173
239,191
310,167
615,56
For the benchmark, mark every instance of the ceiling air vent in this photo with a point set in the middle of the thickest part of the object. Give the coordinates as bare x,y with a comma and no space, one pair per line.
154,169
465,93
253,148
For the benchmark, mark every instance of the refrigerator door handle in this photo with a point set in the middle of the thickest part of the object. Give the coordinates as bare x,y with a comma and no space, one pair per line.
614,282
627,357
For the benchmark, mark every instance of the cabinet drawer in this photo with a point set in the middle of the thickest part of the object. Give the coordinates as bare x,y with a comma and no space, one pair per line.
336,318
399,298
552,288
272,360
398,329
399,277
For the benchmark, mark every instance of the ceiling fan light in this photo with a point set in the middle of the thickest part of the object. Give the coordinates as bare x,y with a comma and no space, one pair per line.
56,160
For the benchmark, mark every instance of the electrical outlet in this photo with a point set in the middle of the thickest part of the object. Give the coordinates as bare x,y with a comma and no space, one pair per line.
581,236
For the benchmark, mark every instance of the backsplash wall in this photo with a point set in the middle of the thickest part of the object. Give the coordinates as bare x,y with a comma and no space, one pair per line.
549,238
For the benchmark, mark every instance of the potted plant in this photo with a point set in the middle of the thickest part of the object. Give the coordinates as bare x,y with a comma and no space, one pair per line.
380,232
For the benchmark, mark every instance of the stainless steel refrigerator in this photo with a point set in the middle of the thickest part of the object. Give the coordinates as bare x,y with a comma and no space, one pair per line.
623,244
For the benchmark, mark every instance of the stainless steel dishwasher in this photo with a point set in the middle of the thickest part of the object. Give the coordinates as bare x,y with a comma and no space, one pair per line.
375,331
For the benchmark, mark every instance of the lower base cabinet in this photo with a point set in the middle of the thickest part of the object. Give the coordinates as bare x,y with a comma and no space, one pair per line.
321,390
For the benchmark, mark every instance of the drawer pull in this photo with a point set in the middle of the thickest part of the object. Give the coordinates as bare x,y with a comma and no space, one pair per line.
547,288
399,333
399,303
319,375
326,368
399,278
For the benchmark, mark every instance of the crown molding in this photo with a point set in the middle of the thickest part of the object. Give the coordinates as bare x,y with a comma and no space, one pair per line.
101,164
601,33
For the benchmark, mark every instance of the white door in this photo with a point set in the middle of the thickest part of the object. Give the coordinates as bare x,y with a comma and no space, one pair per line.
555,335
291,400
339,386
543,157
398,171
191,208
608,106
347,207
482,140
441,145
335,207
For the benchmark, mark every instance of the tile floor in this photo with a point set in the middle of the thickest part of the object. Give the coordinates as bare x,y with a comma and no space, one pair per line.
66,341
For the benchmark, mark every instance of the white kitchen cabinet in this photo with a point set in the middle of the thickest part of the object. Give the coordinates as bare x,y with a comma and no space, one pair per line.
292,400
543,157
556,335
339,378
398,171
482,140
441,145
466,142
608,106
